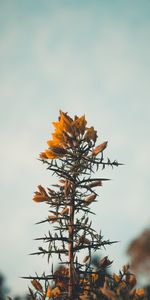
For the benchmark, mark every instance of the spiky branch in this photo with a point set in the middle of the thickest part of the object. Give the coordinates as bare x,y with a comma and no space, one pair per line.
73,157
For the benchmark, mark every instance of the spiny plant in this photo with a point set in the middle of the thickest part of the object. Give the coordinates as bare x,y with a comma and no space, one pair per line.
74,157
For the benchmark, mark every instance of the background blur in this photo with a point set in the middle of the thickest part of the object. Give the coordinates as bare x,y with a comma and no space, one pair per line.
89,57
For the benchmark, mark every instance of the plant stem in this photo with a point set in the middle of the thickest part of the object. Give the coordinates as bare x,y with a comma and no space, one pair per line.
70,248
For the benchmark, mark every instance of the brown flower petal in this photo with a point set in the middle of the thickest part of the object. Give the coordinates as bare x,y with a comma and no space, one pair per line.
105,262
37,285
43,155
88,200
99,149
91,134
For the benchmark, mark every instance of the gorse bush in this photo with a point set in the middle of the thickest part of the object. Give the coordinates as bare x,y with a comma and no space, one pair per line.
74,157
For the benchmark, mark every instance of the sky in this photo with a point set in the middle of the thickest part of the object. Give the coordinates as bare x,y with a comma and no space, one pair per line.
83,57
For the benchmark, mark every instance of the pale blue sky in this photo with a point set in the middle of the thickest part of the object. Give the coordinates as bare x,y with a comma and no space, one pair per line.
87,57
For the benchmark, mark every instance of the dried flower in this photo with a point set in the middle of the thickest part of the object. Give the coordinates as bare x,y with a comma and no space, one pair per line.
105,262
131,279
90,135
99,149
37,285
88,200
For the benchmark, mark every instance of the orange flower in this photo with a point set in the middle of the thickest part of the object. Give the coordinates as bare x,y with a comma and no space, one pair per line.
79,124
116,277
55,152
66,135
140,292
56,292
99,148
40,196
43,155
49,293
50,154
94,277
64,123
53,143
58,137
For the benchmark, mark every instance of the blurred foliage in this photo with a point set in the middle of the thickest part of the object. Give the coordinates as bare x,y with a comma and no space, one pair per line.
139,252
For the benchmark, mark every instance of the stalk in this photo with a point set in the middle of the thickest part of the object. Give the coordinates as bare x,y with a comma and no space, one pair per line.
71,247
70,251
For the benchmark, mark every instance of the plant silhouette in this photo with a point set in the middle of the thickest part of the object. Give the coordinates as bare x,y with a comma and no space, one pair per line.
74,158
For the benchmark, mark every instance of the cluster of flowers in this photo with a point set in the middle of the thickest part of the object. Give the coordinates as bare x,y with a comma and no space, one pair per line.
68,134
117,286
